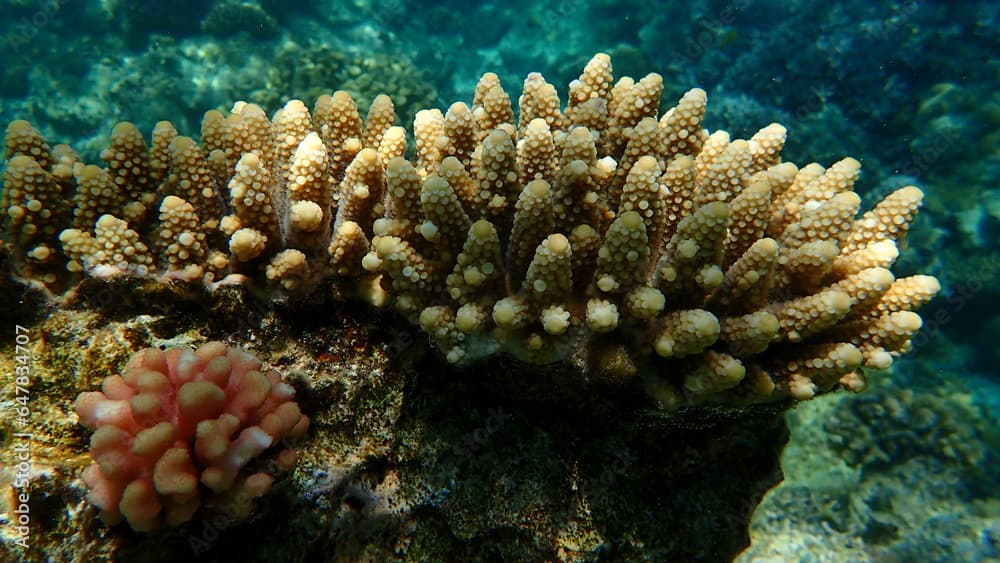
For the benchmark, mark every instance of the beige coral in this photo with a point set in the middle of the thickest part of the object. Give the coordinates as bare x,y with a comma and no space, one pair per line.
719,271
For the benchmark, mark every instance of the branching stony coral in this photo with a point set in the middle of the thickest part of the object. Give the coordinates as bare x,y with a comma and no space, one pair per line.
625,239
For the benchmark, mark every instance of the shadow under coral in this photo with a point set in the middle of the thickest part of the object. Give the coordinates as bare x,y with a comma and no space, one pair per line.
410,457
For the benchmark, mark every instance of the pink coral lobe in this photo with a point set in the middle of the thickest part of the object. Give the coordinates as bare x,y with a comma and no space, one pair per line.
182,428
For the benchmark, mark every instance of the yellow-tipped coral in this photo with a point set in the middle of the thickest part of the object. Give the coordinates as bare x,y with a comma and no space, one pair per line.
713,268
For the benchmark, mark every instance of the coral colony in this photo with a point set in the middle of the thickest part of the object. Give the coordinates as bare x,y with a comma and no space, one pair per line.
603,232
178,418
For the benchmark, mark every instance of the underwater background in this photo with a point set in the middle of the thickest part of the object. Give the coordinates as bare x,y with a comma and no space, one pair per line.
905,471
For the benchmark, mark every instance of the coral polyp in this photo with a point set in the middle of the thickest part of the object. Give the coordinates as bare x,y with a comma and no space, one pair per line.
562,232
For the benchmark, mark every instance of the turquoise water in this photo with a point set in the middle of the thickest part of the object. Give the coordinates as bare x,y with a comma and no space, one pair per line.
906,471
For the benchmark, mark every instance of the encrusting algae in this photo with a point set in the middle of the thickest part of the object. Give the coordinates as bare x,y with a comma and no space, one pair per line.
595,230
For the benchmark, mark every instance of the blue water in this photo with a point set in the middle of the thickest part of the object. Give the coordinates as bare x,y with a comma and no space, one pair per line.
911,89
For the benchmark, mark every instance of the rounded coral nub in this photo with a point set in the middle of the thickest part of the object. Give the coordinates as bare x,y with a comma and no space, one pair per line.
184,417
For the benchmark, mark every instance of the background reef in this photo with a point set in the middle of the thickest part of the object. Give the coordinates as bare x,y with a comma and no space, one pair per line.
901,471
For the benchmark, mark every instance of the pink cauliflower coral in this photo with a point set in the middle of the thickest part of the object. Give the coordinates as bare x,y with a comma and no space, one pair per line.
177,430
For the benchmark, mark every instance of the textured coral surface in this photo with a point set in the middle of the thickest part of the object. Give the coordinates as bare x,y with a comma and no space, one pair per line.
908,88
647,263
593,231
180,419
